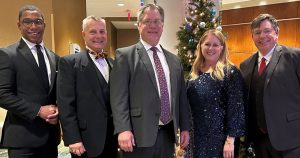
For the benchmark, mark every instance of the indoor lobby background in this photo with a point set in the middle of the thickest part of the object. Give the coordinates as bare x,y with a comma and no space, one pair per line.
63,24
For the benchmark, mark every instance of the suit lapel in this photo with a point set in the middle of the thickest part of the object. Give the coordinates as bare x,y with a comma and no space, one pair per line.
146,60
273,63
91,75
110,63
27,54
173,72
52,62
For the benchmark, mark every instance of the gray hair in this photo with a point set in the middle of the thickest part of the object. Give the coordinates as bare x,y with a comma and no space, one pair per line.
151,7
257,21
91,17
30,8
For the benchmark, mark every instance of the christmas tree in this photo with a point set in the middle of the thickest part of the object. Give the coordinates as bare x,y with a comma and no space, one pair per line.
200,16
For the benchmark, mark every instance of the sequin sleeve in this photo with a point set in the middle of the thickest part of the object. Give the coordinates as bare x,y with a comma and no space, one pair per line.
235,115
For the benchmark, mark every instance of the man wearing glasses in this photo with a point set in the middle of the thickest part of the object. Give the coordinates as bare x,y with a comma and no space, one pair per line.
28,91
273,81
148,95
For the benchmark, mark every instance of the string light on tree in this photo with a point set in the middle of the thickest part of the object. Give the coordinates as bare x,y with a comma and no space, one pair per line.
200,16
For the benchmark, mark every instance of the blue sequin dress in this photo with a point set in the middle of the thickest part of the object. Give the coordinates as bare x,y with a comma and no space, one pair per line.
218,111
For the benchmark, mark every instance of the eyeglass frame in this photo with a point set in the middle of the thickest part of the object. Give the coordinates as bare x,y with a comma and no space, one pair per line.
154,22
29,22
267,31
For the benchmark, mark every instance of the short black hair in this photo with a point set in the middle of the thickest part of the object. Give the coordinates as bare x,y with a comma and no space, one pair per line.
30,8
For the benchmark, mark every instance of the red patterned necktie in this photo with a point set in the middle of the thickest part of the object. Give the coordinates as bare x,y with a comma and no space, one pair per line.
164,94
262,66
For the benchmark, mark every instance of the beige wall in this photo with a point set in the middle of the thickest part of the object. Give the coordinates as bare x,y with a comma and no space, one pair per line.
127,37
9,16
68,16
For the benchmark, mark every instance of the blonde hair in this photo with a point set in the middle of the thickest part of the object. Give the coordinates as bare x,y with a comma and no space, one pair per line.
223,62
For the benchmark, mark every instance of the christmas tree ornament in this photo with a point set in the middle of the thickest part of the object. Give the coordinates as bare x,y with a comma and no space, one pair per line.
200,15
202,24
213,12
188,27
219,28
191,41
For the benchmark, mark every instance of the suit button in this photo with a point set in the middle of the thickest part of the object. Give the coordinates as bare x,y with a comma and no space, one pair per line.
156,114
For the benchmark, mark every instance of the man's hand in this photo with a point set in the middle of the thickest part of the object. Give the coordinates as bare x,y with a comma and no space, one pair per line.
77,148
126,141
49,113
184,139
53,118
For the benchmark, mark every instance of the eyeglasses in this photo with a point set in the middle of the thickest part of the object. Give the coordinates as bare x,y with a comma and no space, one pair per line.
265,31
29,22
149,22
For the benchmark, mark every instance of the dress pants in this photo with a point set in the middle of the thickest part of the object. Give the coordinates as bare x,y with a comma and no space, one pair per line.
47,151
111,144
264,149
163,147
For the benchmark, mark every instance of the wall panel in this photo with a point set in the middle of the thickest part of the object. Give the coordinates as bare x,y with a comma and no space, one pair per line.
236,24
280,11
236,16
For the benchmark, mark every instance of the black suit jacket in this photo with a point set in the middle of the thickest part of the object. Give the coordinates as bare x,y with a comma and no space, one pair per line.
281,98
134,95
22,92
83,102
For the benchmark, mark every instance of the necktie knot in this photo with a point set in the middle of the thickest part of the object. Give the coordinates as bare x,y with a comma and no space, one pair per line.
153,49
99,55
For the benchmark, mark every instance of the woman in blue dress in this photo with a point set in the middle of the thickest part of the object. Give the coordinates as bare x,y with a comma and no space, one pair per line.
216,96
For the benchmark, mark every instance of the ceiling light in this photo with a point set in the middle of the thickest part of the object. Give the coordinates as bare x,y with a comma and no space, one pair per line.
120,4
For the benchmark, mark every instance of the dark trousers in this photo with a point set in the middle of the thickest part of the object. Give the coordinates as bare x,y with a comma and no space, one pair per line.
111,144
163,147
47,151
109,151
264,149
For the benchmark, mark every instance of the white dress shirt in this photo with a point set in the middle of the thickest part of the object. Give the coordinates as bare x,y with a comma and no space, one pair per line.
34,53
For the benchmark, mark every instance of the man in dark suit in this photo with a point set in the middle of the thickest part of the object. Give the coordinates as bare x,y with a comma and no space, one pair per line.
148,94
83,96
273,78
28,91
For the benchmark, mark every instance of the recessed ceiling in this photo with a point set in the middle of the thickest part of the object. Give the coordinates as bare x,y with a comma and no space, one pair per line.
109,8
124,24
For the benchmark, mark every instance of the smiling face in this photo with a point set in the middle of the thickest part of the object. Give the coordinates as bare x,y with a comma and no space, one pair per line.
95,35
265,37
211,49
32,26
151,26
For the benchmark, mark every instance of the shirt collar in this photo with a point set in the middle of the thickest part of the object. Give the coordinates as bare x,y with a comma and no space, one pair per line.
31,45
267,56
148,46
